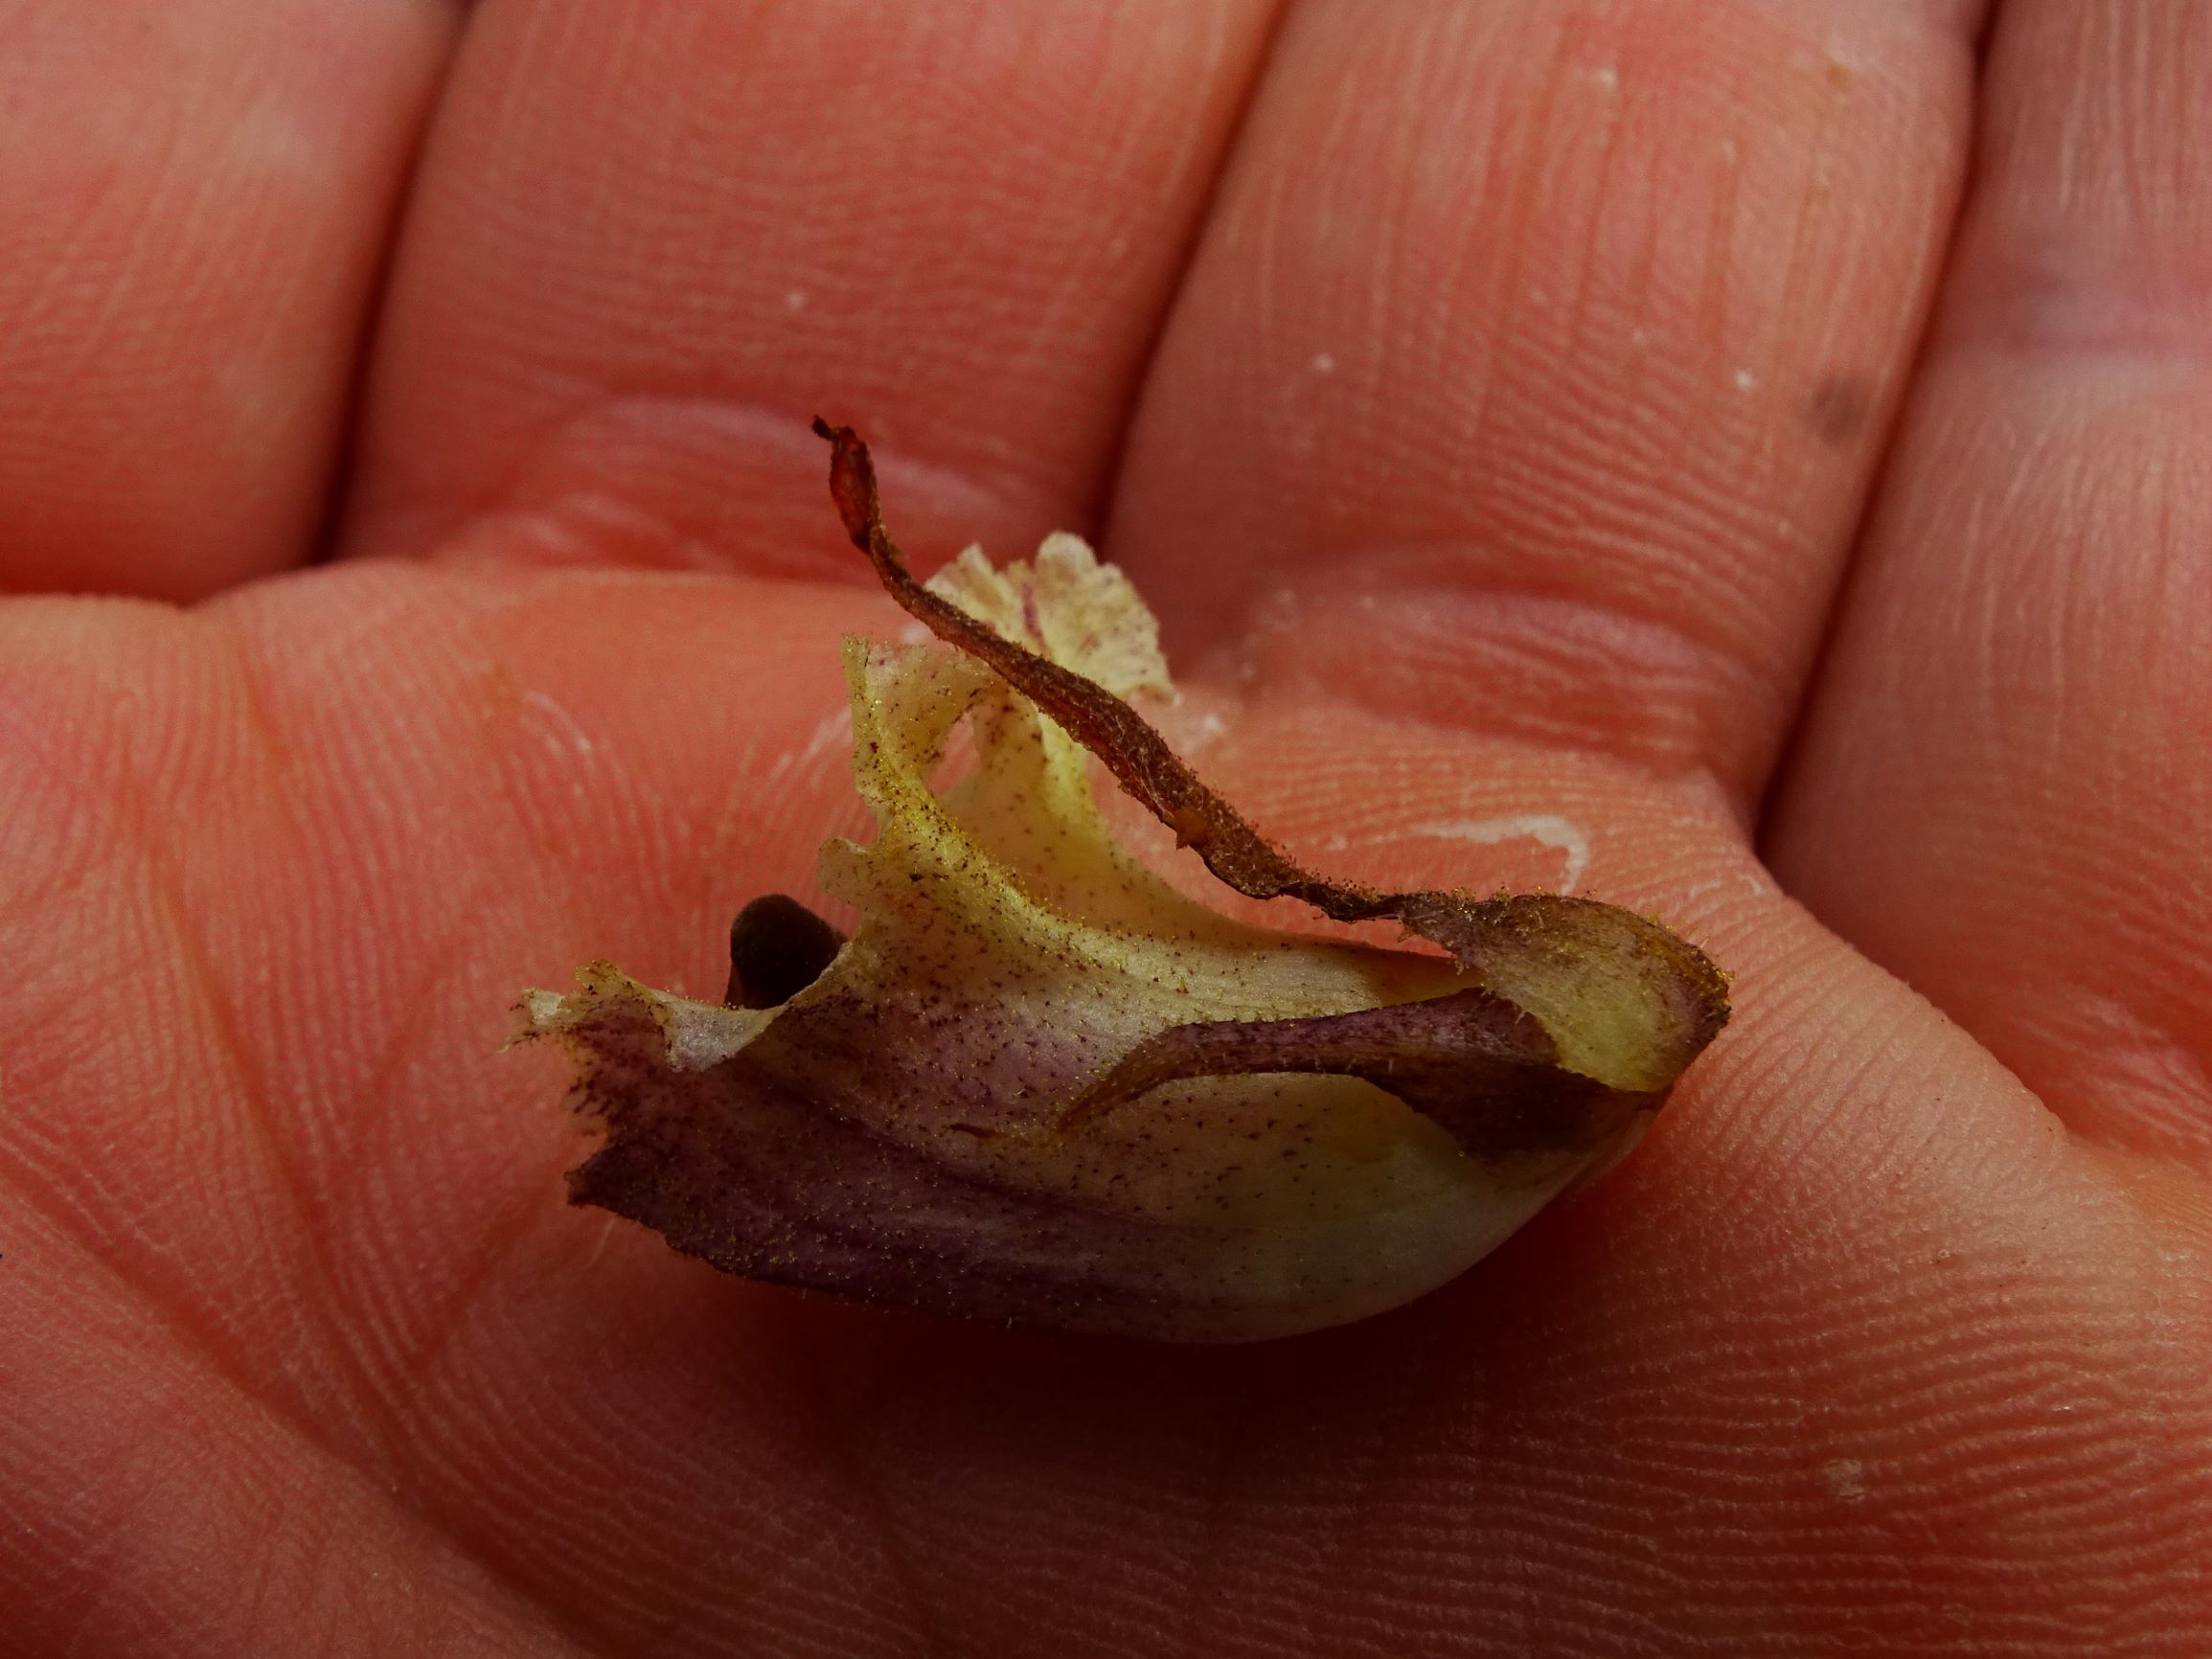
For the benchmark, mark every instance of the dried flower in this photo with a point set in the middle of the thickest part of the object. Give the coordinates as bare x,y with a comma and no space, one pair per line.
1038,1084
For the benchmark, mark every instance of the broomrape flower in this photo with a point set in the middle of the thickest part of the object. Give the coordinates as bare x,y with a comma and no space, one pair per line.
1037,1084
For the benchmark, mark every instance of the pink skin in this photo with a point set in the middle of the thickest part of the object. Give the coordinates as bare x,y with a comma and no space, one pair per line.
1492,398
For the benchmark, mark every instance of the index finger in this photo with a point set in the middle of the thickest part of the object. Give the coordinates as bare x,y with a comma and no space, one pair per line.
653,237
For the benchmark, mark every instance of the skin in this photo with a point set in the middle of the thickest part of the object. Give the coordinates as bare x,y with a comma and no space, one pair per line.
1634,412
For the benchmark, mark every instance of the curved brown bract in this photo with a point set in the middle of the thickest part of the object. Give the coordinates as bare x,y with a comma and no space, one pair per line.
1038,1084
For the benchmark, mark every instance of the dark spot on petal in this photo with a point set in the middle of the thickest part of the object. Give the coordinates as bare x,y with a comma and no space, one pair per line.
778,947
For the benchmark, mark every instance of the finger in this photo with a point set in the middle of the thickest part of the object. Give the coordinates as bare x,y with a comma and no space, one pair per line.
2005,777
653,238
198,194
1532,365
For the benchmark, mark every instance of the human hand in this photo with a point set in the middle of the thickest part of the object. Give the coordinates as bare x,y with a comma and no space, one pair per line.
1491,399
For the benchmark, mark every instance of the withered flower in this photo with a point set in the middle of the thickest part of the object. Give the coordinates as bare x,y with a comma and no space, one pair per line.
1037,1084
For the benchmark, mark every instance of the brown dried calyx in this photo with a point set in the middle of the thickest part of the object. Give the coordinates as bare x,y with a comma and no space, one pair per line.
1037,1084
